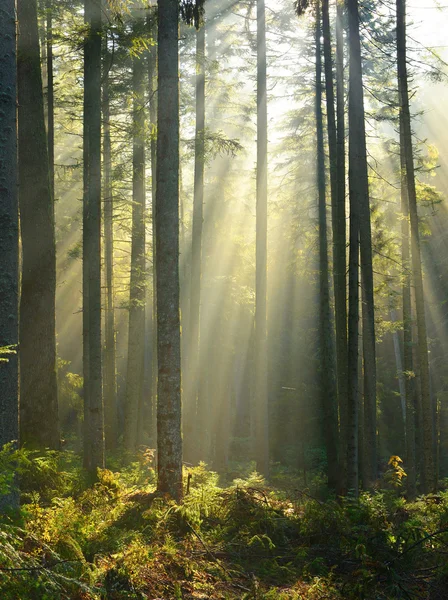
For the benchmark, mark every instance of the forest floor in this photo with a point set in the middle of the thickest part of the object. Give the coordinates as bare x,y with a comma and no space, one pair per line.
119,540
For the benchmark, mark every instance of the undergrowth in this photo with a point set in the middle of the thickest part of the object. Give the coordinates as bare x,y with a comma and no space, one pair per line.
119,540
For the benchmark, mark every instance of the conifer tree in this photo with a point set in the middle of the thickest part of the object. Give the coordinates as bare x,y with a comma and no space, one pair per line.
9,231
169,440
38,382
92,364
410,191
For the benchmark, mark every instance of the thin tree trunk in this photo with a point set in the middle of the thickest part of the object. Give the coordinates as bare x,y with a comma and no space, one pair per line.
196,250
339,248
110,380
353,302
50,93
399,366
408,363
169,439
428,457
152,92
9,233
38,381
137,295
327,364
339,265
94,418
261,384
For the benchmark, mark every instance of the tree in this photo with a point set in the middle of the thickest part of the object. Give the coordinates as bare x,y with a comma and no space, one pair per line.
137,293
110,380
169,440
336,144
326,349
196,250
410,190
50,91
93,393
360,235
408,365
260,384
9,230
38,382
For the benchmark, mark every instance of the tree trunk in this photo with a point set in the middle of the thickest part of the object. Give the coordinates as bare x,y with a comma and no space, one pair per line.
38,379
339,246
428,457
93,417
327,364
359,196
408,363
110,379
169,440
196,252
50,93
261,384
9,233
152,92
335,395
137,295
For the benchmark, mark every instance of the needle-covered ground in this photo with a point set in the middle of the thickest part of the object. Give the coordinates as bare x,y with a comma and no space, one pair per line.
119,540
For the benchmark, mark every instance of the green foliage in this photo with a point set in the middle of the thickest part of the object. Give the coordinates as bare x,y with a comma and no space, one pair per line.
119,539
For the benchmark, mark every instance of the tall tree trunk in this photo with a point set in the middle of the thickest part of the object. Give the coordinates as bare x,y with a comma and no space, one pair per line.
339,241
408,363
327,364
359,196
428,457
137,296
353,305
110,380
196,250
261,384
152,92
9,232
50,92
93,417
38,380
169,440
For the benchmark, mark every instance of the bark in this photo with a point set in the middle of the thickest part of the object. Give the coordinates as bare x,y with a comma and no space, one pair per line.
152,92
261,384
352,484
408,363
327,363
137,296
399,366
359,196
427,446
169,440
339,248
9,233
38,380
110,379
50,92
196,252
93,417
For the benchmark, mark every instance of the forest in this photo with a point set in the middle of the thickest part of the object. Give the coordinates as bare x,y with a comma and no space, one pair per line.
223,299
